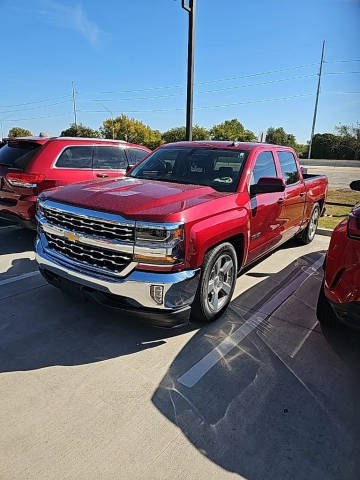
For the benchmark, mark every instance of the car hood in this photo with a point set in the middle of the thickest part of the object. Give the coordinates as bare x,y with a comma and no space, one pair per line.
136,199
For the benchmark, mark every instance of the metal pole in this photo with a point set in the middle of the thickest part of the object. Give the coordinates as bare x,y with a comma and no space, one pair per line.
74,103
191,9
317,99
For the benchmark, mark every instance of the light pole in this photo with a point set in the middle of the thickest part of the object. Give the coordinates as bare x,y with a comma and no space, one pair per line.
191,9
112,120
317,99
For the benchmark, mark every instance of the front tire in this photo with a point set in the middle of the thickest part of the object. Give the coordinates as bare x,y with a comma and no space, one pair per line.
308,234
217,283
324,312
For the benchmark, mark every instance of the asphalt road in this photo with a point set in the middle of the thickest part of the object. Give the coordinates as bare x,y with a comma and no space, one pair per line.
338,176
262,393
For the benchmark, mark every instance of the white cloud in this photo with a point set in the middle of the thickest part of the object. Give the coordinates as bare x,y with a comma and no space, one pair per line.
72,17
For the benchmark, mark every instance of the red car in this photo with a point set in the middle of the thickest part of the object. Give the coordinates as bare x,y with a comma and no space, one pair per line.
30,165
339,298
171,236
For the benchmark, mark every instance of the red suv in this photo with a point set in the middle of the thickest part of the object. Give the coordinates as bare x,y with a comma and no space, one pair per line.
339,298
30,165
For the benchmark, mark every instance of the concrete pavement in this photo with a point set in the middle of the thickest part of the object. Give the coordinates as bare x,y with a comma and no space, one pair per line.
90,394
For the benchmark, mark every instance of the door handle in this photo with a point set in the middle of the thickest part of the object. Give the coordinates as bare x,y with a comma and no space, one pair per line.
280,201
102,175
302,194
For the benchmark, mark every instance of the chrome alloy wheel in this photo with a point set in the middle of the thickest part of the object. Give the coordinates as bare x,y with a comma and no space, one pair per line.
314,220
220,282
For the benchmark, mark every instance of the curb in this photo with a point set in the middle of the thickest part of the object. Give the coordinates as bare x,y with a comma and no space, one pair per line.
327,232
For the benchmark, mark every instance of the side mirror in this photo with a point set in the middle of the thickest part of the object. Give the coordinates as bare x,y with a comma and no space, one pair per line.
267,185
355,185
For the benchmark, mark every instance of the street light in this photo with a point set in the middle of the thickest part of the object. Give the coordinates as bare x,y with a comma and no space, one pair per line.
112,119
191,9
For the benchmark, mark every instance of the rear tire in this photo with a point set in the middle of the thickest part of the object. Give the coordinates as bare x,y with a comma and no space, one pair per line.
324,312
308,234
217,283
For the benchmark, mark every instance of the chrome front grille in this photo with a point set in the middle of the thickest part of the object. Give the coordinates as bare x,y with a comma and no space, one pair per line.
107,260
90,226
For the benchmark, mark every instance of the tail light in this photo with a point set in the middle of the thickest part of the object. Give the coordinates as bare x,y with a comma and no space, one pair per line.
354,226
26,180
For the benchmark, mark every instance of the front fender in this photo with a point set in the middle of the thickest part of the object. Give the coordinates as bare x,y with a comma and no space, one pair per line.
214,230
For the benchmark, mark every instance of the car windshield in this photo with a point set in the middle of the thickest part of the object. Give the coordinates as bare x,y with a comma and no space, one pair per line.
213,167
18,154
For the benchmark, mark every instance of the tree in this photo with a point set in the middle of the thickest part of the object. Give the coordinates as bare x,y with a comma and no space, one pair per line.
80,131
278,136
231,130
348,140
132,131
19,132
178,134
324,145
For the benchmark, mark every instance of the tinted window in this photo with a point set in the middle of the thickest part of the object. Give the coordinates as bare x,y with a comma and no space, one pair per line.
217,168
135,155
18,154
110,158
264,167
288,167
75,157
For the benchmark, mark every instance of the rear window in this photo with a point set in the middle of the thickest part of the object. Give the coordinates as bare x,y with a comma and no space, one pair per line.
135,155
18,154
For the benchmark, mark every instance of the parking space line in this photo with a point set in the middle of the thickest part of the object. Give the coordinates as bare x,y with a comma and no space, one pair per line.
8,226
19,277
197,371
300,345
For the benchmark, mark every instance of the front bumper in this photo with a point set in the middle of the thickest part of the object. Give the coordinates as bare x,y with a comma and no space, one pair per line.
130,294
347,313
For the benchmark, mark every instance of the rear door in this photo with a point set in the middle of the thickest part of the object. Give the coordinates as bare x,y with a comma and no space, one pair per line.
109,161
73,165
266,225
293,198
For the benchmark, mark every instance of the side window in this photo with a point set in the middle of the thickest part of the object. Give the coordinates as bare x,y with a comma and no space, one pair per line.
135,155
109,158
75,157
289,167
264,167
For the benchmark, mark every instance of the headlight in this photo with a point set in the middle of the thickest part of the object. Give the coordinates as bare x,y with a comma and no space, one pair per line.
159,244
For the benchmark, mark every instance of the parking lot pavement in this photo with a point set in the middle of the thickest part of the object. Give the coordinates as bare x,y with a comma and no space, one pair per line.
338,176
262,393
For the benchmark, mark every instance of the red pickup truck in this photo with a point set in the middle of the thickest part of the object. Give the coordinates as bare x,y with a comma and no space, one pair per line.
30,165
169,239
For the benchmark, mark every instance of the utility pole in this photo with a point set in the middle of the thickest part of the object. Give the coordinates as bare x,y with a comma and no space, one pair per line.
191,9
74,103
317,98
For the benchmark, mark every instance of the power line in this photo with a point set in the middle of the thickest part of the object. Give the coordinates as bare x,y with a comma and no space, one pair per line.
33,118
206,91
34,108
32,103
207,81
206,106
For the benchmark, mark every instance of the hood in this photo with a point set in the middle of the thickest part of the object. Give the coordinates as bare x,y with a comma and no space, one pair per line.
136,199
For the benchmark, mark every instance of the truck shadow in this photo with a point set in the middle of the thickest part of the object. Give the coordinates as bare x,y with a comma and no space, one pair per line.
283,403
17,251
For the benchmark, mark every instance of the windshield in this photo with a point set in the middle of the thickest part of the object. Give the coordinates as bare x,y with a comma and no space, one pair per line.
213,167
18,154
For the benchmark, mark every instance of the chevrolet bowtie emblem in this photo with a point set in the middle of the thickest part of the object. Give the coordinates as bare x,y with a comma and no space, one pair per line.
72,237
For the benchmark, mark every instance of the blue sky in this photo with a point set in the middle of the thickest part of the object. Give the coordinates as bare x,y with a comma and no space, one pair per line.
119,54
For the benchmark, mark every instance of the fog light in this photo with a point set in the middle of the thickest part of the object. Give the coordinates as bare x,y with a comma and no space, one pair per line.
157,293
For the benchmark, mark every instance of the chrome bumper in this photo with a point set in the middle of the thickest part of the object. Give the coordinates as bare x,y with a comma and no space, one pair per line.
179,287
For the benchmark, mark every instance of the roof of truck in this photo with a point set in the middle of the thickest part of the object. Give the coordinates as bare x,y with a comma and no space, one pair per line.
223,144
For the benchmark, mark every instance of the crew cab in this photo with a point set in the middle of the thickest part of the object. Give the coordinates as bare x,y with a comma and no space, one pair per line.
30,165
169,239
339,298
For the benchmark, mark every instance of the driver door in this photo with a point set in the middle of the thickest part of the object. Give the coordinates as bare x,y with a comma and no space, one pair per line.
266,226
